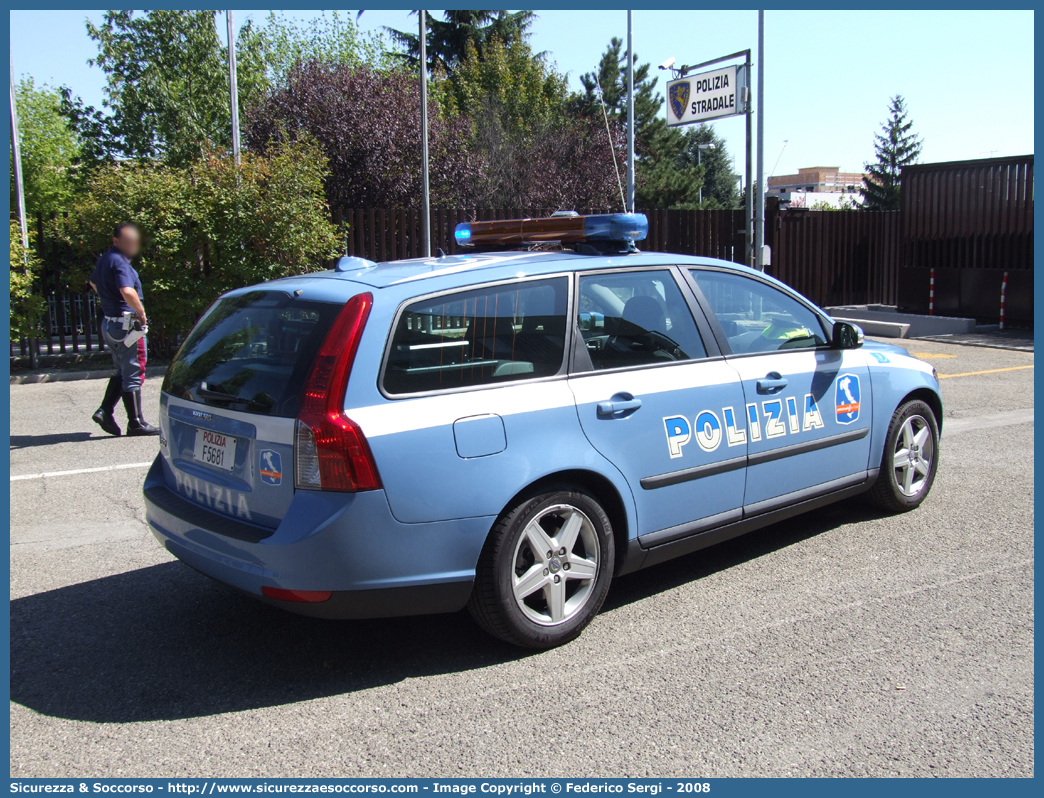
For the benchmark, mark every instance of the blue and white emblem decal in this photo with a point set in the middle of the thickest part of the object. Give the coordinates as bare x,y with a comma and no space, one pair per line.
679,98
271,467
846,398
880,357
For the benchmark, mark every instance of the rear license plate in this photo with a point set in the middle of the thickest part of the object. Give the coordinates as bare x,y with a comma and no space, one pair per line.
215,449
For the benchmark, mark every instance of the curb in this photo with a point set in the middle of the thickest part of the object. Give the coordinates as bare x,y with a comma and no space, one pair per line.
938,339
70,376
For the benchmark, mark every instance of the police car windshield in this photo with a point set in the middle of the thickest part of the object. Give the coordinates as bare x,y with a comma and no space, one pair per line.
251,353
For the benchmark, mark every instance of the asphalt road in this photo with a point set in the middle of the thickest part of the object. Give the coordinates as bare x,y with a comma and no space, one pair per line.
839,643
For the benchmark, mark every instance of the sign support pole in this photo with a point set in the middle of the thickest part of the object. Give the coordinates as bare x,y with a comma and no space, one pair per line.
630,119
759,227
749,171
682,72
426,209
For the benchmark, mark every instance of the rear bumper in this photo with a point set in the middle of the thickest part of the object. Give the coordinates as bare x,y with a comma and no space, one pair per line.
348,543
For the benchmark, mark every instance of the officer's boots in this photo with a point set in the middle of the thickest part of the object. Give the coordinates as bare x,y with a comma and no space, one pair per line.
103,416
136,423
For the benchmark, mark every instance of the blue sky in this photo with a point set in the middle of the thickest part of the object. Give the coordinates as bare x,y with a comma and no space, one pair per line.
967,75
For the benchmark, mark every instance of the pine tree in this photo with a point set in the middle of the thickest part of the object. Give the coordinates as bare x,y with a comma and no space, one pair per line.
448,39
663,177
896,146
720,182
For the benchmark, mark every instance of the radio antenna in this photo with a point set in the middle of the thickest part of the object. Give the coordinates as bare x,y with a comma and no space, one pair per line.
612,150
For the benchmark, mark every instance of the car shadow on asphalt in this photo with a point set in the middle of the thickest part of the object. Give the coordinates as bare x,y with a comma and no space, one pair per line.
164,642
673,573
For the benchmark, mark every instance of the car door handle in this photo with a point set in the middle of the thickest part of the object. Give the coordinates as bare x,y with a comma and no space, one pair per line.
772,382
618,405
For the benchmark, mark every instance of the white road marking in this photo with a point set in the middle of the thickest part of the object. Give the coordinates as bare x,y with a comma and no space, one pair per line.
120,467
1002,418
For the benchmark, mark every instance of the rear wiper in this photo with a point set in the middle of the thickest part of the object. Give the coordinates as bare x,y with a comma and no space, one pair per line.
208,394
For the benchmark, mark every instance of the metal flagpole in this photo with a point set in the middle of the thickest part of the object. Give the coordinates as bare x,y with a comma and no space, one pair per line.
16,148
759,226
16,153
233,85
630,118
426,210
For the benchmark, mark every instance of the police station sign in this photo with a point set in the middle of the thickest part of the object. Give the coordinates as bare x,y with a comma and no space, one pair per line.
710,95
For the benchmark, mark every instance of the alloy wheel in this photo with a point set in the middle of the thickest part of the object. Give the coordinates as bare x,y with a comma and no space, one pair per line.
914,451
555,565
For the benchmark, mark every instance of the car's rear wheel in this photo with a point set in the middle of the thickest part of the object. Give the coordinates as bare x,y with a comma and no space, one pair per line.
910,459
545,569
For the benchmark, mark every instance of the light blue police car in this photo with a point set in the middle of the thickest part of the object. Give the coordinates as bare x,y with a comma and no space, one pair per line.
508,430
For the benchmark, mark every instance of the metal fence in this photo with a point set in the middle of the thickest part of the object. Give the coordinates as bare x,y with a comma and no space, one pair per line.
72,312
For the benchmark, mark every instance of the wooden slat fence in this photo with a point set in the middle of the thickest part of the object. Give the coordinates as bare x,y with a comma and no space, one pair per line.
969,223
833,257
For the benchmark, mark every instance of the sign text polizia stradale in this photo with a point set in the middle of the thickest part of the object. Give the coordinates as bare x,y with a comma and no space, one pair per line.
709,95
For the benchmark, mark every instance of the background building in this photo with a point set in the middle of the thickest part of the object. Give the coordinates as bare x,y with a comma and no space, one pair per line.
817,180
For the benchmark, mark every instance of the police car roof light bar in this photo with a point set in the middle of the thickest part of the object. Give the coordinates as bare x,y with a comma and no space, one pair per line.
622,227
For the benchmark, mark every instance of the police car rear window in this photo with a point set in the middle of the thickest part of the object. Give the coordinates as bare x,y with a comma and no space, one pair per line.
479,337
251,353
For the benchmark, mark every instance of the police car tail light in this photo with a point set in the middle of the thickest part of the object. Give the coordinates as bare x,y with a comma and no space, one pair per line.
330,450
622,227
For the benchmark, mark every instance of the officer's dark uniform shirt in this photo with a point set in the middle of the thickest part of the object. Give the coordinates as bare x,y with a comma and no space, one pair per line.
111,273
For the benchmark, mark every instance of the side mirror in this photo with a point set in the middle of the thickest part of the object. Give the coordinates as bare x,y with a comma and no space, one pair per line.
846,336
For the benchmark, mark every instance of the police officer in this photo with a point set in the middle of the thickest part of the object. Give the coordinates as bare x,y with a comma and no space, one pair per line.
119,289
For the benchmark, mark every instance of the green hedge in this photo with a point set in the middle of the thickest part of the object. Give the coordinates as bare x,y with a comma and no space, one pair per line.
209,227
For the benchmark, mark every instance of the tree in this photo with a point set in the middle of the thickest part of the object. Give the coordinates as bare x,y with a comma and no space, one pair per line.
49,148
522,86
569,166
210,226
448,39
368,125
844,203
610,78
532,150
663,179
26,307
99,140
720,183
895,146
331,40
167,83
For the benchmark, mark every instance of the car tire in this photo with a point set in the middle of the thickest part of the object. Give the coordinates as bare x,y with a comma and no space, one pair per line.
910,459
530,599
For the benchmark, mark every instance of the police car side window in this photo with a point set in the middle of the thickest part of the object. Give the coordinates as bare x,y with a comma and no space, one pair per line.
757,317
480,336
636,319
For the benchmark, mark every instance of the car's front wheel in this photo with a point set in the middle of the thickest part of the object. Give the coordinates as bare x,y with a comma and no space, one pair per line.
910,459
545,569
